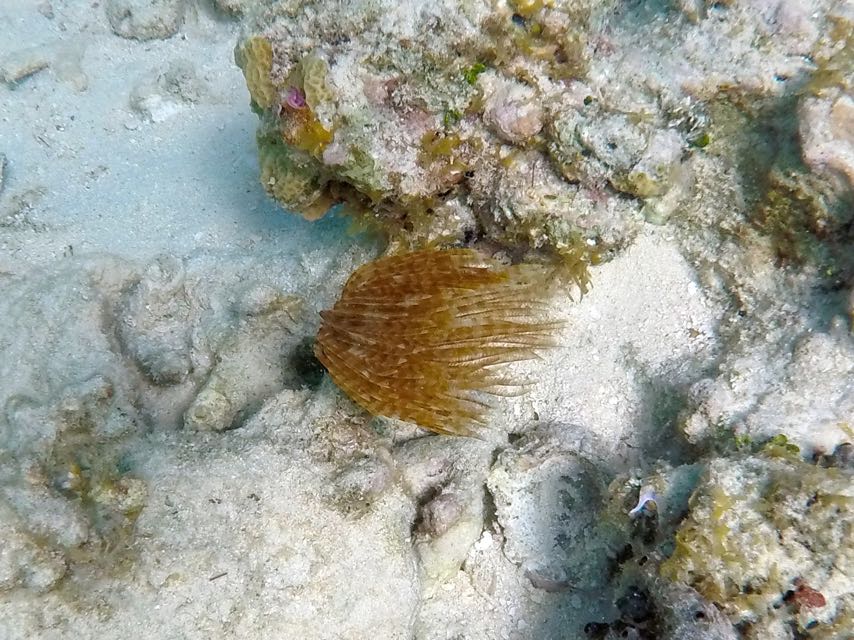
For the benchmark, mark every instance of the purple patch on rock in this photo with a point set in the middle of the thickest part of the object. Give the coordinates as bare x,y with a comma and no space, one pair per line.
295,98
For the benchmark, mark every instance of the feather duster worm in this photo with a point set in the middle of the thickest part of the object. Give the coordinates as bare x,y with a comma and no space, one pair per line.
421,336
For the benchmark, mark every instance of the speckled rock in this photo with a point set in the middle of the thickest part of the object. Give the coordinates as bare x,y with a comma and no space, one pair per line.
25,562
145,19
548,502
238,7
406,136
753,401
511,109
446,478
827,141
686,615
160,95
64,491
353,576
558,127
153,325
769,540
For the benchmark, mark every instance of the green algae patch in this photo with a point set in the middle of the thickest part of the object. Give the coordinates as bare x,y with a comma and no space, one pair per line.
759,527
803,222
471,73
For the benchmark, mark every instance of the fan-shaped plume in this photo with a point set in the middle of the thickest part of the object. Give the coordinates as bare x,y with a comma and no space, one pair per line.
421,336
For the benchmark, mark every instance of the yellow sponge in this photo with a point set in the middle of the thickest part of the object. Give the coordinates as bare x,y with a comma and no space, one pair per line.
295,185
314,71
255,58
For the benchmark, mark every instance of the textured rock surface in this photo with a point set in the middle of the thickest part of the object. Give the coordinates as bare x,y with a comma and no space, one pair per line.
145,19
547,503
173,459
238,8
446,476
769,540
183,544
537,126
826,138
162,95
808,394
686,615
66,413
20,64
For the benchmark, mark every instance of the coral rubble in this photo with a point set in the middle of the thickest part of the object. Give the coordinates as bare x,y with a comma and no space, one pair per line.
505,123
770,541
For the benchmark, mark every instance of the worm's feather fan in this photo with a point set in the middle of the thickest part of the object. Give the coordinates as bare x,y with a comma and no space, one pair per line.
420,336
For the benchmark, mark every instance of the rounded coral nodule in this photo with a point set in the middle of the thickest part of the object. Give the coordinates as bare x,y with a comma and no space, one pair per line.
420,336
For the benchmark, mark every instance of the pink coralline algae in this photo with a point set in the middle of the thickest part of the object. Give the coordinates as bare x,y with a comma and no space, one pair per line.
295,98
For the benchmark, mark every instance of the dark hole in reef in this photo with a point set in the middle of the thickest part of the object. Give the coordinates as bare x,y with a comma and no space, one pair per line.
615,563
743,628
635,605
625,553
596,630
645,527
831,284
306,365
430,494
621,628
699,615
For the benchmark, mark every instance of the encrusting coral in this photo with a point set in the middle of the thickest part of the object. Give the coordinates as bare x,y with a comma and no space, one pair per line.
420,336
255,57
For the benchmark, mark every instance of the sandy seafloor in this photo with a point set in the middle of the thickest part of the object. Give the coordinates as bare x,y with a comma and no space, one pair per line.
152,295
